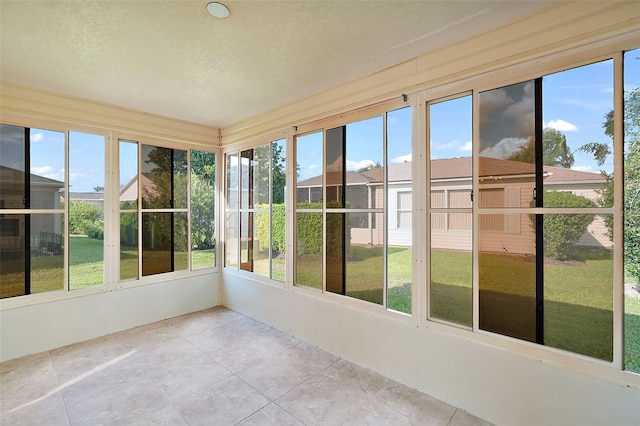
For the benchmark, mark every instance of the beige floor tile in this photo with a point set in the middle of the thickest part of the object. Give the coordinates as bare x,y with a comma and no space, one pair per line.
271,415
224,403
45,410
183,379
462,418
280,373
416,406
132,401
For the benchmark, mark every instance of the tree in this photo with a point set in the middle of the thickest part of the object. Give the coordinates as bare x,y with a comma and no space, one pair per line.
601,151
555,151
98,188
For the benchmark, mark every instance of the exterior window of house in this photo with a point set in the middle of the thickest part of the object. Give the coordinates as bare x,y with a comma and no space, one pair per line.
86,209
404,209
540,147
256,237
203,184
450,257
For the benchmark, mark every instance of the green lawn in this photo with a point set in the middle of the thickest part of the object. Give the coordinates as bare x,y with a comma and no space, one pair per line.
578,297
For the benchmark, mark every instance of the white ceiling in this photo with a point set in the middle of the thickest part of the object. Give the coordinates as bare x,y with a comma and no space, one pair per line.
173,59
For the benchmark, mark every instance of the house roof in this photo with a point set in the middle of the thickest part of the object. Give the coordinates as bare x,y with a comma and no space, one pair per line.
86,195
11,175
461,168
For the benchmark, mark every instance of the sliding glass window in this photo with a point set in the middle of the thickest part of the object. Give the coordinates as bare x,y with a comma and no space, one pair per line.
255,223
450,214
547,275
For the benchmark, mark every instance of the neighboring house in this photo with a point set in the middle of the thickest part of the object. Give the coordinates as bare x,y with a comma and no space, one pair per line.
503,183
93,198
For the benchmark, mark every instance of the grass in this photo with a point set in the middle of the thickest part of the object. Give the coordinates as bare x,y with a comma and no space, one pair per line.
578,297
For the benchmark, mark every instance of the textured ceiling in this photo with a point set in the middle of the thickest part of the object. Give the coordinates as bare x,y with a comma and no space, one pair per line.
173,59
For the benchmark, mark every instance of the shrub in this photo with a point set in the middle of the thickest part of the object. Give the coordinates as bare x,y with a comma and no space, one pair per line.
562,231
85,219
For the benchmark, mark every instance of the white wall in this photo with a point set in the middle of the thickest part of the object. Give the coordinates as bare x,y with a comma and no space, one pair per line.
490,382
39,327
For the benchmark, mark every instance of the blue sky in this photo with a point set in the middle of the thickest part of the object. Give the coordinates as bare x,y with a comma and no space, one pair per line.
574,102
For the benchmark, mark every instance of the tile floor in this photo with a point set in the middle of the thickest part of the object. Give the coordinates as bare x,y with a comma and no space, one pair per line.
214,367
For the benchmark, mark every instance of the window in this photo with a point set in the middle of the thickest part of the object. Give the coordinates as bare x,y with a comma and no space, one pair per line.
546,276
631,209
404,209
166,209
450,271
343,232
203,184
256,238
34,211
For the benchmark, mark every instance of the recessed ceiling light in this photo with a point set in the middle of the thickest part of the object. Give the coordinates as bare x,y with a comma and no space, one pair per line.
217,10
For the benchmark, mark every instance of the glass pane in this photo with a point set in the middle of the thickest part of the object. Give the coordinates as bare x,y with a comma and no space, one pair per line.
335,252
203,238
309,249
246,241
13,255
450,145
632,210
578,284
261,166
507,262
86,210
180,179
364,160
398,168
157,243
128,152
309,169
47,252
180,242
46,150
507,137
278,211
128,246
13,140
364,274
232,226
156,188
335,167
232,233
578,130
451,273
261,241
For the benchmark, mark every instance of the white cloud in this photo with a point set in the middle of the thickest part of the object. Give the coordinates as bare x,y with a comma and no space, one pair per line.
402,159
48,172
357,165
504,149
466,147
312,166
36,137
41,170
561,125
